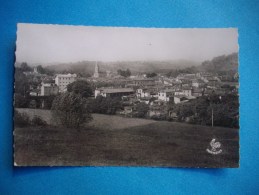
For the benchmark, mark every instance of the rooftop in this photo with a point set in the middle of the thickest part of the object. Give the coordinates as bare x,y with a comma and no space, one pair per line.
66,75
116,90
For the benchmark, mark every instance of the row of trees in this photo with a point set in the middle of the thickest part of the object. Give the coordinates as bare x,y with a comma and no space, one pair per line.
24,67
124,73
176,72
224,110
151,75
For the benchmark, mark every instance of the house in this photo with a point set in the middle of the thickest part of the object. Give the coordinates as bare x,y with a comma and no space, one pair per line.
145,100
186,83
198,83
197,92
141,81
146,92
48,89
180,99
113,92
187,91
165,94
63,80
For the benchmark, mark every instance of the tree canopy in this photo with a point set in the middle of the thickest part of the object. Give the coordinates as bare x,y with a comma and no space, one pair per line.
142,109
151,75
80,87
70,110
124,73
105,105
25,67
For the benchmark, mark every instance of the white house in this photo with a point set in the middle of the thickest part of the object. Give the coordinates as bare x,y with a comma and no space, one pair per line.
63,80
165,95
144,92
48,89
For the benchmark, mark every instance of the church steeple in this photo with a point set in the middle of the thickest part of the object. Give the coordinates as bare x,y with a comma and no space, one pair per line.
96,70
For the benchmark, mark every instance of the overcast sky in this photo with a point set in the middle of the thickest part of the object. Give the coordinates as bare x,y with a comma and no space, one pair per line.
45,44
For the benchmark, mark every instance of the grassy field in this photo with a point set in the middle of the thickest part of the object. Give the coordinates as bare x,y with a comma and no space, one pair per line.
114,140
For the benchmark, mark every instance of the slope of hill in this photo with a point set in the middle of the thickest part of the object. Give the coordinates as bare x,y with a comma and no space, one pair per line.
221,63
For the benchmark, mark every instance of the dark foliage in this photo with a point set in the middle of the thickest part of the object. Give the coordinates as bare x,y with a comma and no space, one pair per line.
80,87
71,110
141,110
48,102
151,75
21,119
224,110
124,73
20,101
105,105
221,63
25,67
38,121
176,72
21,82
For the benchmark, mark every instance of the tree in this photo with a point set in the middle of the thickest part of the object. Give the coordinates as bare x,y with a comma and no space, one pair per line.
142,109
80,87
41,70
21,82
124,73
71,110
48,101
21,119
128,73
151,75
105,105
25,67
20,101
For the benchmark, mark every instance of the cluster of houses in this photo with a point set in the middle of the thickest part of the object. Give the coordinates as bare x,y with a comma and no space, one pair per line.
158,91
155,92
49,85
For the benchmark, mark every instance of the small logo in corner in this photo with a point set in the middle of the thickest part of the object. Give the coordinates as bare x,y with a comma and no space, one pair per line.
215,147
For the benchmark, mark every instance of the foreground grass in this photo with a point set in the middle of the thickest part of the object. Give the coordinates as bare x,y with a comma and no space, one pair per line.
148,144
99,121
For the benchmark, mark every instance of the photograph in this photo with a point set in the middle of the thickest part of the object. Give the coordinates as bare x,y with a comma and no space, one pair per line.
126,96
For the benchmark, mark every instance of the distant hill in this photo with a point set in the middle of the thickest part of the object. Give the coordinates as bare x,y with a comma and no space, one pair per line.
134,66
221,63
86,68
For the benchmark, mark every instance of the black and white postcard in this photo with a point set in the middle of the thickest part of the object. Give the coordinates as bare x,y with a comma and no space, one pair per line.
123,96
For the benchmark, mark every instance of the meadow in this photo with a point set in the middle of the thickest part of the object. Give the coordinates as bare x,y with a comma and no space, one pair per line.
118,141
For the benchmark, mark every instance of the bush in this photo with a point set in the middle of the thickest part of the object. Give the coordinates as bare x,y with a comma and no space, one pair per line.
170,119
21,119
158,117
38,121
70,110
105,105
20,101
142,110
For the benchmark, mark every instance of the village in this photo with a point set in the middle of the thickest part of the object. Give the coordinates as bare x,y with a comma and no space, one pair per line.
113,99
157,91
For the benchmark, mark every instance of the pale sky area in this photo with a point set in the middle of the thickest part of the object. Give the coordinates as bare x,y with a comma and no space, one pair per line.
46,44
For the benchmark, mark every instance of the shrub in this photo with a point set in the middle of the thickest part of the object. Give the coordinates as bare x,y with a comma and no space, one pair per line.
142,110
170,119
20,101
104,105
21,119
70,110
38,121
